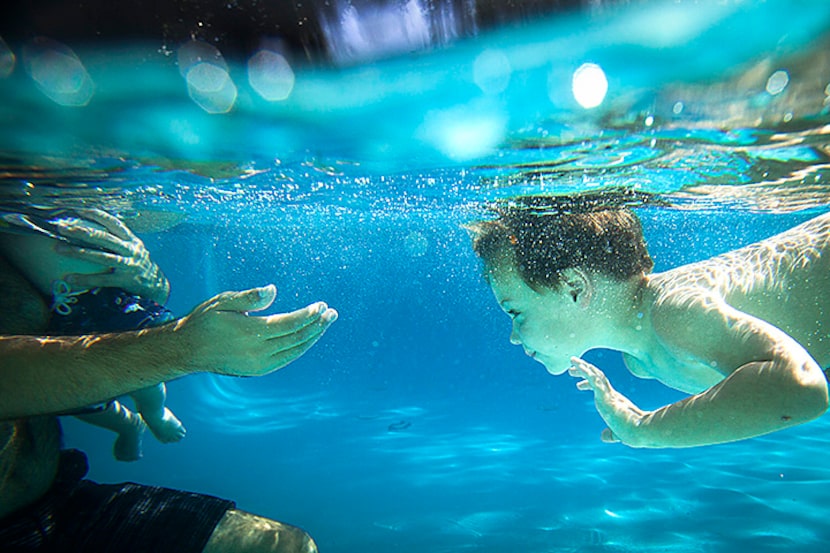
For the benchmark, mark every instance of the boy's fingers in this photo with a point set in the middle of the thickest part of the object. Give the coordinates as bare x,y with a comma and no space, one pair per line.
577,372
608,437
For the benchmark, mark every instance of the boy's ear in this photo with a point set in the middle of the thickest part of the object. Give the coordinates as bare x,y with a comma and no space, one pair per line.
579,285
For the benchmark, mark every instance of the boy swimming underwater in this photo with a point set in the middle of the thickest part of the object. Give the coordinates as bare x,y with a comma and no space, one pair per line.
746,332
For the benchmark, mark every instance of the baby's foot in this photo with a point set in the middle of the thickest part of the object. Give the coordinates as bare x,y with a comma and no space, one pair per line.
127,445
165,427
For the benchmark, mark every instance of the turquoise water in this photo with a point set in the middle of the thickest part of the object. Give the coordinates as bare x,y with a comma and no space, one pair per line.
414,425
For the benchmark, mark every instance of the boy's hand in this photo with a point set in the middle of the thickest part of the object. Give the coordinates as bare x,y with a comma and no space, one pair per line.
221,337
125,262
618,412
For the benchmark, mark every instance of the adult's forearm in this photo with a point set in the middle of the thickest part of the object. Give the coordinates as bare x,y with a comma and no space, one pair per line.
41,376
51,375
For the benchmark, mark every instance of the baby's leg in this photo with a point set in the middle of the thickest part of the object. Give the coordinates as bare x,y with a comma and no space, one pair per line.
162,422
125,423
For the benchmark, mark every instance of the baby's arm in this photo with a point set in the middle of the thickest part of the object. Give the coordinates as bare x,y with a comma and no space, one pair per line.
772,383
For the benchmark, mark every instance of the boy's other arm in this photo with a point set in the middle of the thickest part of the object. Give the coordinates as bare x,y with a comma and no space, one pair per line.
45,375
771,383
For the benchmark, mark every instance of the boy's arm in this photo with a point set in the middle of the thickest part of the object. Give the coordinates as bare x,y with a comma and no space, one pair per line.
773,384
51,375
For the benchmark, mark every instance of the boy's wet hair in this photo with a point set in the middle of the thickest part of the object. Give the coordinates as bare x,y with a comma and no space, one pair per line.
543,235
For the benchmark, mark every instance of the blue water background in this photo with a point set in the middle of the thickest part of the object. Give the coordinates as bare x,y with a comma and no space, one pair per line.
414,425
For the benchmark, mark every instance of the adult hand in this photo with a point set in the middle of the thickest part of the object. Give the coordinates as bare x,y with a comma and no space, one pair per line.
618,412
221,337
125,262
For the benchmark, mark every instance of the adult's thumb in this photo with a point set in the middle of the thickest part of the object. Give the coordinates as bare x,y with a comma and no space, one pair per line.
255,299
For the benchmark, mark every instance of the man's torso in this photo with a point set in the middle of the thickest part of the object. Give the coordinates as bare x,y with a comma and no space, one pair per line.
29,453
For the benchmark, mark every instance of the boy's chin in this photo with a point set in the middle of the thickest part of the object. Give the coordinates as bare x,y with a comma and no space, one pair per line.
556,369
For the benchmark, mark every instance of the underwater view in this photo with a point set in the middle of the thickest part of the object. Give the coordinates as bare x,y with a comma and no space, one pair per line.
348,170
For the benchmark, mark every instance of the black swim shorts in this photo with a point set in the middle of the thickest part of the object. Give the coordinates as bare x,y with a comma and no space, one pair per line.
78,515
105,310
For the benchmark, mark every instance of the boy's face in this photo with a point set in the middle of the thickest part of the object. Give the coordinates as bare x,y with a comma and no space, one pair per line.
544,322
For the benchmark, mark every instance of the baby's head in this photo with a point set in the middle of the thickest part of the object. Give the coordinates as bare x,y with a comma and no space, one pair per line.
540,236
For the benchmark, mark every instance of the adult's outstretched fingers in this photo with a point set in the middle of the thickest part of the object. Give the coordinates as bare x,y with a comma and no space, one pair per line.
283,357
311,331
283,324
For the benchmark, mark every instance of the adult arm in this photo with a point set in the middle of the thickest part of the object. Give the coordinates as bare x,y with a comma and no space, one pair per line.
48,375
771,383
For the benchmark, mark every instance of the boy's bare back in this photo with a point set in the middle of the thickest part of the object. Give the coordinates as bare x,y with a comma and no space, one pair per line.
783,280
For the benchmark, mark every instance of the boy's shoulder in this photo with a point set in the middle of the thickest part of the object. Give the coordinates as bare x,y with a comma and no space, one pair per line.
682,333
692,318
